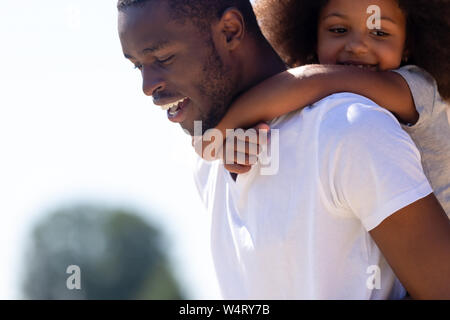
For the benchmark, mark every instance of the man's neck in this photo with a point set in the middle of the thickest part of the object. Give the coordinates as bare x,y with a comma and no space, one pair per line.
264,64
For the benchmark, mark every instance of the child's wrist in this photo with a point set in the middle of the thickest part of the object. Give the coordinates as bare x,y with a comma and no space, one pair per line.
222,128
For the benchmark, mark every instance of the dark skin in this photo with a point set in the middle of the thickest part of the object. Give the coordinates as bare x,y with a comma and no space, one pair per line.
415,240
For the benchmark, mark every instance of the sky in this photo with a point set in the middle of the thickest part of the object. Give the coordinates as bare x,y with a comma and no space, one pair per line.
76,127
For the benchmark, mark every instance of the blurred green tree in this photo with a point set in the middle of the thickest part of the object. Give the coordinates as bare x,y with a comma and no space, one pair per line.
119,255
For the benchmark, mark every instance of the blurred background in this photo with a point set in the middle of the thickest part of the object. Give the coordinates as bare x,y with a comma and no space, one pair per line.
91,173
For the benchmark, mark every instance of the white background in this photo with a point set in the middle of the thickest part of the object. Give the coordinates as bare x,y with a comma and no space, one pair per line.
76,127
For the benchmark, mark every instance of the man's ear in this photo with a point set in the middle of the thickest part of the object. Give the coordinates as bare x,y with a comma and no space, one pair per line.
232,27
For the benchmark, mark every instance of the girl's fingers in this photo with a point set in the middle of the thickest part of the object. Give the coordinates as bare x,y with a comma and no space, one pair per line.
240,149
240,158
209,150
244,147
259,137
255,139
237,168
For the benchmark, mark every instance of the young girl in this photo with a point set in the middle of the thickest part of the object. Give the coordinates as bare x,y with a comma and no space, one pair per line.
386,65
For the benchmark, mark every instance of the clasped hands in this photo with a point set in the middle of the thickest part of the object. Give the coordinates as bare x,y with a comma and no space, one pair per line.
238,152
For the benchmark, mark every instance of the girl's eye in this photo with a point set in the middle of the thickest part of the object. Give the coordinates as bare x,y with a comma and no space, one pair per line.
380,33
338,30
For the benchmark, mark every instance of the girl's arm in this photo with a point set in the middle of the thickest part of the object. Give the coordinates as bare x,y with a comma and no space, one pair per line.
297,88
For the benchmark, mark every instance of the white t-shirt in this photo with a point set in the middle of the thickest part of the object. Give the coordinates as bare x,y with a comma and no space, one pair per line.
345,165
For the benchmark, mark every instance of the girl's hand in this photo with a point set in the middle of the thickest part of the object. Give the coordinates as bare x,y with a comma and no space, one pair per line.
208,147
238,153
241,153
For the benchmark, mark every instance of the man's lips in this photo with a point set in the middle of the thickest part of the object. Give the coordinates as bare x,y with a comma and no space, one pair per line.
177,113
173,104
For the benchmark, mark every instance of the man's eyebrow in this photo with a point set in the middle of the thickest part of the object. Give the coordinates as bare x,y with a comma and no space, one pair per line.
157,46
160,45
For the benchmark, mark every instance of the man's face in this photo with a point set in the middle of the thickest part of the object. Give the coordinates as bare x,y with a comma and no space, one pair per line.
180,66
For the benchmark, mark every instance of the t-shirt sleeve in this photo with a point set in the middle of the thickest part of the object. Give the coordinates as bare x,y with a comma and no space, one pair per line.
369,166
424,91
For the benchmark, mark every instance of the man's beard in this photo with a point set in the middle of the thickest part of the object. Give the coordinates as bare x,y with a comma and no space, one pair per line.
219,86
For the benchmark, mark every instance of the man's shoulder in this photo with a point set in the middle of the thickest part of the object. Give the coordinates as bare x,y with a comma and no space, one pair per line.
353,124
346,114
337,115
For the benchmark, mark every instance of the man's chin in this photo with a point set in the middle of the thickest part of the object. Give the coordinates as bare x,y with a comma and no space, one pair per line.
188,131
187,127
195,128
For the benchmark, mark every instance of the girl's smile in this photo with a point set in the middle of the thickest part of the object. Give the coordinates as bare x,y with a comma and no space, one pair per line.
345,38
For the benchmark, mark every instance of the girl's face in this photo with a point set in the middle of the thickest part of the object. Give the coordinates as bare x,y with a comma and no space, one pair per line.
346,35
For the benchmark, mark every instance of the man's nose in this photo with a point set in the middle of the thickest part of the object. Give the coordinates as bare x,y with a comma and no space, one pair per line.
152,82
357,45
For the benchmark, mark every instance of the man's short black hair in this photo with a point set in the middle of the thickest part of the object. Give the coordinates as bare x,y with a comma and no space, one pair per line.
203,12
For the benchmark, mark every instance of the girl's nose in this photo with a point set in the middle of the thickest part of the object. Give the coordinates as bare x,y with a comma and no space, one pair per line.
357,46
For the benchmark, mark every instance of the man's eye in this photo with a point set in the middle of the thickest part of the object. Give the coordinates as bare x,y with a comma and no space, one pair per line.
338,30
380,33
166,61
160,61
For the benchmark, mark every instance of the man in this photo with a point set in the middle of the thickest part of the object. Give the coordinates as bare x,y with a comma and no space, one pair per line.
350,195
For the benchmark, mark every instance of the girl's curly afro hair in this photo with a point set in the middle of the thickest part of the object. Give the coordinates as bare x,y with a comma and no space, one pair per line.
291,28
